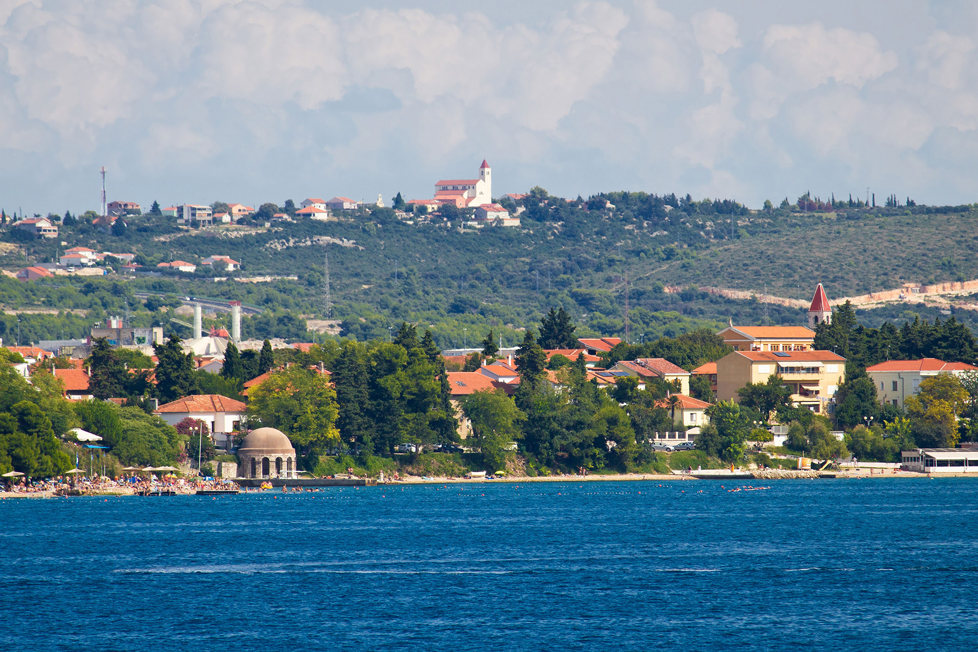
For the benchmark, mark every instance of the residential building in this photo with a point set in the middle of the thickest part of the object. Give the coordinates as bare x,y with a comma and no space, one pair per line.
231,264
118,334
222,415
39,226
495,214
940,460
768,338
647,368
689,412
604,378
342,204
31,354
812,376
571,354
467,192
195,213
180,265
897,379
314,213
221,218
820,312
119,208
75,382
33,273
464,383
501,372
314,202
710,371
239,210
596,345
433,205
171,211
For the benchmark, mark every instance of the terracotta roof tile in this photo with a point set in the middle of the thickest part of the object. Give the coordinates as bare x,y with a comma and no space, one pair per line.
926,364
685,403
75,380
792,356
820,302
708,369
203,403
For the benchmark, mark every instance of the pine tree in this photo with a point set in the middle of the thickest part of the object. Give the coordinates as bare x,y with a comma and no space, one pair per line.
155,208
108,372
407,336
531,362
175,373
399,204
350,377
266,360
232,363
489,347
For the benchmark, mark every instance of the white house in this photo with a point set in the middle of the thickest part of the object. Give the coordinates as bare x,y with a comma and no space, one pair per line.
222,415
240,210
495,214
41,226
897,379
313,212
690,412
227,260
314,202
191,212
180,265
467,192
940,460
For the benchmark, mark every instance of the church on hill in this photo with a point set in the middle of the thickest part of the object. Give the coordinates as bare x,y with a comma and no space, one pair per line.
466,193
820,311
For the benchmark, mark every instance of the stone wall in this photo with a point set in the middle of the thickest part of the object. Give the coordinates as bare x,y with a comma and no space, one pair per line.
227,469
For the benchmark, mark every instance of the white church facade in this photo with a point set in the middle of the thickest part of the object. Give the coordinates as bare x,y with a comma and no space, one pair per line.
466,193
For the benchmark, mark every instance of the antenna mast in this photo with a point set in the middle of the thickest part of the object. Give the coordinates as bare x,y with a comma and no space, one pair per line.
103,192
328,307
626,307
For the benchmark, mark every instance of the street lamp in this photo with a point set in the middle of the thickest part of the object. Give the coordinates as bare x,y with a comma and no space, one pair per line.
868,421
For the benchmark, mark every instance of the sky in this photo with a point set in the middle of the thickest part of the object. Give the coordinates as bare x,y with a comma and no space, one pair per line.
196,101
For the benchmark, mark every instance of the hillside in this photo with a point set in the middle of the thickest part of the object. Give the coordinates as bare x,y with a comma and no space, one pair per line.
570,253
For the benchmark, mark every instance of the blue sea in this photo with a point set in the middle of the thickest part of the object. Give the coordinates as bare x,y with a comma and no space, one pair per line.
806,565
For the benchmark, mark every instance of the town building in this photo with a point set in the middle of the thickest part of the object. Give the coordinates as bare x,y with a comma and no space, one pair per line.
812,376
590,360
689,412
597,345
709,370
314,202
75,382
120,208
897,379
768,338
33,273
313,213
195,213
229,263
222,415
342,204
180,265
494,214
239,210
39,226
464,193
940,460
647,368
118,334
464,383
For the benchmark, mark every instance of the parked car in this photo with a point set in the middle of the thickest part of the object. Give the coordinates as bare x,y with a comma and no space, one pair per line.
685,446
448,448
407,448
663,447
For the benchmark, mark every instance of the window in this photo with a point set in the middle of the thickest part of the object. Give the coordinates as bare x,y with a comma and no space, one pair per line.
692,418
896,402
775,347
895,386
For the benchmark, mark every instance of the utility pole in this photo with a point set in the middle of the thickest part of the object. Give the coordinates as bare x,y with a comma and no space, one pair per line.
327,300
200,444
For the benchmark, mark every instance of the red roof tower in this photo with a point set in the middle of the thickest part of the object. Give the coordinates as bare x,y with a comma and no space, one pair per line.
820,311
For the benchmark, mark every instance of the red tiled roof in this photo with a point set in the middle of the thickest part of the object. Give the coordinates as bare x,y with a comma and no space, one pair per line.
315,200
500,370
40,271
495,208
484,165
600,343
926,364
708,369
685,403
820,302
344,199
311,210
463,383
203,403
75,380
31,352
769,332
571,354
657,366
792,356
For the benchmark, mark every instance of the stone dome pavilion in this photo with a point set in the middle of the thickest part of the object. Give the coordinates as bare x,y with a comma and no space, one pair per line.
267,453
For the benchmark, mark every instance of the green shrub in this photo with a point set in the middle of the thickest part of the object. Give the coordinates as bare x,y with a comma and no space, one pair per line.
694,458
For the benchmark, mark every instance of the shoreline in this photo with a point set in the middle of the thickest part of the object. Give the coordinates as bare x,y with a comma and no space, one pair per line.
738,476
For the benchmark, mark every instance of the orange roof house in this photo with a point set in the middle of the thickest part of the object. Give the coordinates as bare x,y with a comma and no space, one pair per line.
222,415
648,368
768,338
897,380
595,345
75,382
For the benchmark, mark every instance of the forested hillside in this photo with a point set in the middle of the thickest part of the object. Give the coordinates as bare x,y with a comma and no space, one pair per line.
574,254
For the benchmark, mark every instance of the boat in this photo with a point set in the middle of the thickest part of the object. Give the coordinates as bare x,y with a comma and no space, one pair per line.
216,492
157,492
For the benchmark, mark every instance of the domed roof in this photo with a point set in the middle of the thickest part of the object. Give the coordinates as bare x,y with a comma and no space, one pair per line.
266,441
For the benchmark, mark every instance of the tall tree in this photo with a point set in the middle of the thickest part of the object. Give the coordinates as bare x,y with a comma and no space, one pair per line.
266,360
155,208
232,367
489,347
531,364
299,402
407,336
352,395
557,331
108,372
495,423
175,377
399,204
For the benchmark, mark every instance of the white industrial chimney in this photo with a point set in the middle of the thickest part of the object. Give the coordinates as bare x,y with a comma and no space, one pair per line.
198,322
236,322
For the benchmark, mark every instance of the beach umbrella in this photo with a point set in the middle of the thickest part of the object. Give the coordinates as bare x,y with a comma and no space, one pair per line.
13,474
84,435
166,468
131,468
74,472
150,469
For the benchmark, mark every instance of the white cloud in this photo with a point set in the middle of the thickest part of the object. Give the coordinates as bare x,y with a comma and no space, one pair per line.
715,31
943,58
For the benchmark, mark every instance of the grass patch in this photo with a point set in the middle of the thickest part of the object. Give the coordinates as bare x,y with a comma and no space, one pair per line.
365,465
695,459
437,464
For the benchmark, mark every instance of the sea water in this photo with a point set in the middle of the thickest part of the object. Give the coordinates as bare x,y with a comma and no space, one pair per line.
821,564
